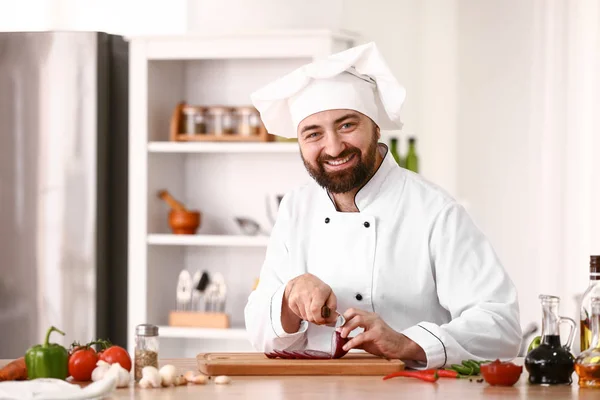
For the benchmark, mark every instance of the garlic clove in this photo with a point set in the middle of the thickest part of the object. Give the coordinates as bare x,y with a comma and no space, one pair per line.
180,381
222,380
198,379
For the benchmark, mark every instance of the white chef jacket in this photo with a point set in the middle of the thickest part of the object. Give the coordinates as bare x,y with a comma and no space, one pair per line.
411,254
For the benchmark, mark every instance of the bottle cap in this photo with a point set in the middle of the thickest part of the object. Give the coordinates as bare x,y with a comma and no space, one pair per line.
412,140
146,330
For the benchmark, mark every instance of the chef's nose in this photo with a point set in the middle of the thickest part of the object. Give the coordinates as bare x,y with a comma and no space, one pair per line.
333,144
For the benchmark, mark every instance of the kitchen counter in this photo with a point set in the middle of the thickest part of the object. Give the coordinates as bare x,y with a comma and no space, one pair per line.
349,387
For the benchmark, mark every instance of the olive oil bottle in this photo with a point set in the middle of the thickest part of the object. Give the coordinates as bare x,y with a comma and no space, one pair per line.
412,159
585,309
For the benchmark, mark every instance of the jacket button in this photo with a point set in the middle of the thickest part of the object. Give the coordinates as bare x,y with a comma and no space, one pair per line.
367,224
326,220
358,296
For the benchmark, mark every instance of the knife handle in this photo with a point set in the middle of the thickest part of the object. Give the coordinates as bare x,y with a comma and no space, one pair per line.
325,312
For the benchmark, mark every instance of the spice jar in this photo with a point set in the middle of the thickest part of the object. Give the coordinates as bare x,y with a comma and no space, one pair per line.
221,120
146,348
248,121
194,120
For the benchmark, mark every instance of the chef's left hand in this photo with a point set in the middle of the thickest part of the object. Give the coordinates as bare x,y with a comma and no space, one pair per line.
378,337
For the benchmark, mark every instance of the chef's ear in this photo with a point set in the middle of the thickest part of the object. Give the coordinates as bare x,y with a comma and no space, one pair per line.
377,130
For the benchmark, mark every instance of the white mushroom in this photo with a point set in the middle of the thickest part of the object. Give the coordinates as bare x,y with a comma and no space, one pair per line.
151,376
168,374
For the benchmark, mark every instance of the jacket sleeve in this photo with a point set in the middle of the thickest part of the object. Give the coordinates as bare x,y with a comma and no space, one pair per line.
477,292
263,309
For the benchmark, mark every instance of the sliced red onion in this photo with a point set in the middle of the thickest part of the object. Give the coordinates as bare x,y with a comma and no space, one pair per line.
337,344
337,351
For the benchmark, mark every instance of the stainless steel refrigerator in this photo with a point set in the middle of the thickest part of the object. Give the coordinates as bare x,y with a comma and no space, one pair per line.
63,187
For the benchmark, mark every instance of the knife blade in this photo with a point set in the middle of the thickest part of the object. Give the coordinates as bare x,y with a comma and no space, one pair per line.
326,313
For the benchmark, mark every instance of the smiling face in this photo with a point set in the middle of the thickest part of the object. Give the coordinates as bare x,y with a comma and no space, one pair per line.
339,148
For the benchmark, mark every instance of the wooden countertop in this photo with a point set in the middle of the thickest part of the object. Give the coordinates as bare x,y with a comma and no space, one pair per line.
349,387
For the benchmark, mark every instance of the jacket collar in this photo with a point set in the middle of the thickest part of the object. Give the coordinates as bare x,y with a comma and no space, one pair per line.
369,192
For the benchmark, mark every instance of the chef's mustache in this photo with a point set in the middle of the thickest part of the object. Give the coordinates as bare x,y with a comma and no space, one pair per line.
324,158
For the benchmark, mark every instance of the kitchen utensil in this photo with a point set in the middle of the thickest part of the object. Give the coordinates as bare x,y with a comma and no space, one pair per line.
218,293
236,364
340,320
249,226
201,281
184,290
174,204
184,222
210,298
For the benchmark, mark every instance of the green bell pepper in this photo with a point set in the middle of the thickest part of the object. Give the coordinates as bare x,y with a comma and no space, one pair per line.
47,360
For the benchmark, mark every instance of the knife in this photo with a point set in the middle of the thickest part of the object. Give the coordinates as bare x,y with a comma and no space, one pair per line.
184,290
326,313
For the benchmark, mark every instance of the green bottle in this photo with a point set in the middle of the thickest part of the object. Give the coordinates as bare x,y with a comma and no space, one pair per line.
394,150
412,160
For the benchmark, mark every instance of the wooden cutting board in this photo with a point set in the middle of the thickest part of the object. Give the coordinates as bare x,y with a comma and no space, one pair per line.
258,364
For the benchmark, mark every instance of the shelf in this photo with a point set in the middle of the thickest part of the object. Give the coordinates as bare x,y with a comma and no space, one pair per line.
208,240
202,333
223,147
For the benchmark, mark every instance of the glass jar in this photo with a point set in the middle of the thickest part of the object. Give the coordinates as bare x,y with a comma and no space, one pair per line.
248,121
221,120
146,348
194,120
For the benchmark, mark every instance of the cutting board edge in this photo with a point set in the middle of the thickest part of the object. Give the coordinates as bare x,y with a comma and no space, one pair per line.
266,367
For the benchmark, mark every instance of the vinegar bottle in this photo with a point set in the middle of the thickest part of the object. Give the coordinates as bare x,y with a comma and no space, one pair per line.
551,363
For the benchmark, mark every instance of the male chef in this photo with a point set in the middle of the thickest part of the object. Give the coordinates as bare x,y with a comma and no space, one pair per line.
400,259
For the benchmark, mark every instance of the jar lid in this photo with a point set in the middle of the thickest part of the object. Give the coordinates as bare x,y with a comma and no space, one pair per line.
190,110
146,330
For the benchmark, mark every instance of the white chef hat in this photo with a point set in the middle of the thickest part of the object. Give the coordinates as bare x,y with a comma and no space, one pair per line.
356,79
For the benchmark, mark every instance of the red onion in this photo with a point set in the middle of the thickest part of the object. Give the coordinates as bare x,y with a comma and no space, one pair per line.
337,351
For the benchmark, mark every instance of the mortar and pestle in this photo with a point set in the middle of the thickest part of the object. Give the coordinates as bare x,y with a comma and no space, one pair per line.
181,220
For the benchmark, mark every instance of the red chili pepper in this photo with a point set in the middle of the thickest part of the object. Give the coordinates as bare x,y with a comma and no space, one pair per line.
443,373
423,375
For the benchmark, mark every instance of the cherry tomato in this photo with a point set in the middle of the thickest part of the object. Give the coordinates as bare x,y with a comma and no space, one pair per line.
501,373
81,364
116,354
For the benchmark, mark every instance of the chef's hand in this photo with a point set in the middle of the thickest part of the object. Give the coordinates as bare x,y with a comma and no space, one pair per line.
378,337
303,299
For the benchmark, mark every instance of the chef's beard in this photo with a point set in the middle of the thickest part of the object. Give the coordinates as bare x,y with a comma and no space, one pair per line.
350,178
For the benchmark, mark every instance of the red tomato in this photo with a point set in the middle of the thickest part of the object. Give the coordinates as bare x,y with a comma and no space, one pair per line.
116,354
81,364
501,373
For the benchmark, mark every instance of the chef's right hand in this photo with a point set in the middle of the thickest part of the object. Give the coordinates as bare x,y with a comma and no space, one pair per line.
306,295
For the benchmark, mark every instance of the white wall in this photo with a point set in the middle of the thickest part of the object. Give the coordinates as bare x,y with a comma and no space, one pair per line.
113,16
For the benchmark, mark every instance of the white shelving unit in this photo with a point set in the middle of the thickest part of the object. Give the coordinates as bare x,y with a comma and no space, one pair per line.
208,240
221,180
215,147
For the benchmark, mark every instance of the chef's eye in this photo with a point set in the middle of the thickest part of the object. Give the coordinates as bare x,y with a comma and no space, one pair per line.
347,125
